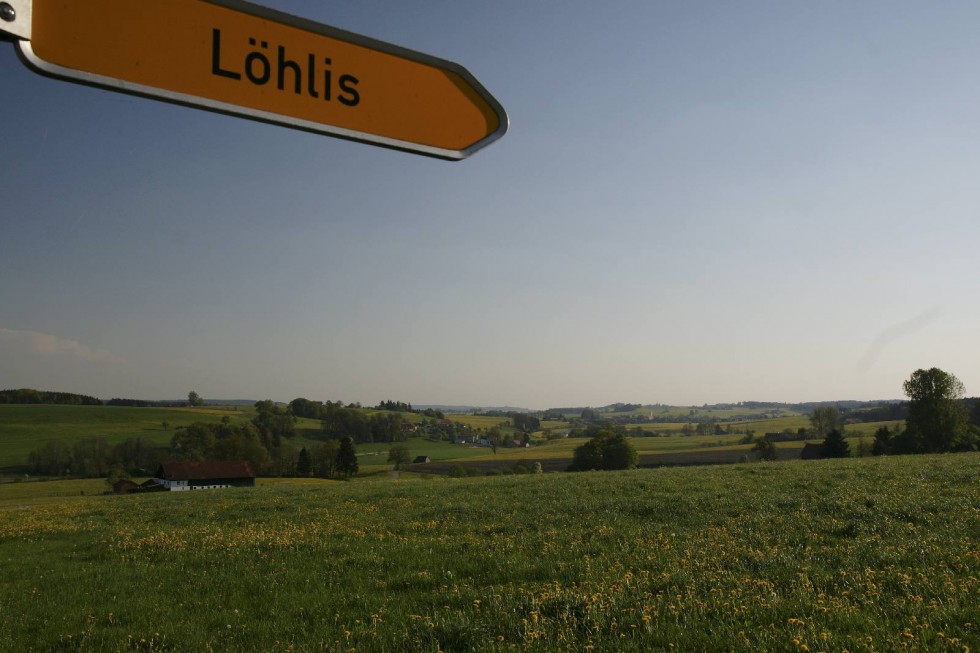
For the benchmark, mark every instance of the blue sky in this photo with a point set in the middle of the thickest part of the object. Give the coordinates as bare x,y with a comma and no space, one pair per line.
696,202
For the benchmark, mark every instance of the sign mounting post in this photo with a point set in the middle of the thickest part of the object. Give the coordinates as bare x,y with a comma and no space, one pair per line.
238,58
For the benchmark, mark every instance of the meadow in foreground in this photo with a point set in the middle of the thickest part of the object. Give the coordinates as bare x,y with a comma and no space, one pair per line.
858,555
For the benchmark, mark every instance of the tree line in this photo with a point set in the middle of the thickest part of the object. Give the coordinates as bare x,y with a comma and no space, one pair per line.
31,396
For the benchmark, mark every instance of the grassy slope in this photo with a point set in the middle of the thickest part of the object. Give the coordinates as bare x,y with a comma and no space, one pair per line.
828,555
25,428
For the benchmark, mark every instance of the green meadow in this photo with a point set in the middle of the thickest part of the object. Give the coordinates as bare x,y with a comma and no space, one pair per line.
24,428
871,554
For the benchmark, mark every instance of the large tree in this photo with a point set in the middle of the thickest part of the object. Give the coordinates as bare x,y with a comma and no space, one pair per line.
399,454
835,446
825,419
346,458
766,448
273,422
938,421
304,464
526,423
608,450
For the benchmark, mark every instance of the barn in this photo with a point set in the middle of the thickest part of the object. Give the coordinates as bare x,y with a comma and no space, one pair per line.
205,475
125,486
812,451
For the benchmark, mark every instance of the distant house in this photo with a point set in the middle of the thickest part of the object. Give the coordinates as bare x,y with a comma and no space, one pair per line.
206,475
124,486
812,451
421,459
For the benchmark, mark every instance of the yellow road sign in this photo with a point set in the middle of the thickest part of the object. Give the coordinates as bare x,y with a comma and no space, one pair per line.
238,58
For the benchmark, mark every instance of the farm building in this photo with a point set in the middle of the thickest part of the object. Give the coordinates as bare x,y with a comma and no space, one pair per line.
812,451
421,459
206,475
124,486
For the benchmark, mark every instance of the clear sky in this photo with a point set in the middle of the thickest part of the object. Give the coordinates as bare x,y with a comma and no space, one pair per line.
696,202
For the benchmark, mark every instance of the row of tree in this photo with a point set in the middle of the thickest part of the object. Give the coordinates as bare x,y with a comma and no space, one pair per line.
31,396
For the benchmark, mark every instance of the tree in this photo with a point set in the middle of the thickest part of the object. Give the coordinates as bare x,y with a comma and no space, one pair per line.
241,442
883,442
138,456
194,399
324,457
116,473
525,422
346,458
387,427
399,454
607,450
494,436
274,423
765,448
195,443
304,464
90,457
52,459
835,446
587,456
938,421
825,419
618,453
302,407
339,422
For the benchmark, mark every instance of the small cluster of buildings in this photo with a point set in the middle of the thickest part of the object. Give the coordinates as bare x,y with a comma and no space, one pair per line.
187,476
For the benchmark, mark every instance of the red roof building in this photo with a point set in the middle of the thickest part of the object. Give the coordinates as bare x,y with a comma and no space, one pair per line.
205,475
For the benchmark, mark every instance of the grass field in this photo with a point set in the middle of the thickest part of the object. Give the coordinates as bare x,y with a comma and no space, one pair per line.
864,555
24,428
683,414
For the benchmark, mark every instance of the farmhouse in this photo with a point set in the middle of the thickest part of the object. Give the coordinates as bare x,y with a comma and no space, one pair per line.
206,475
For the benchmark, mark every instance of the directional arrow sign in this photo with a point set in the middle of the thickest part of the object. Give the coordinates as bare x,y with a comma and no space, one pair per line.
238,58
